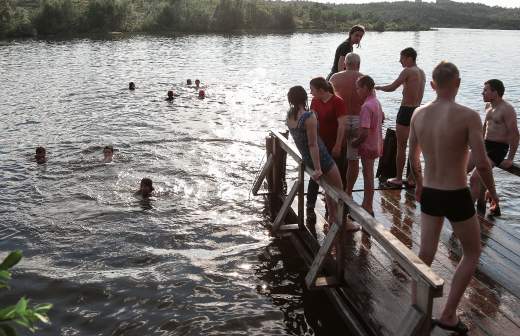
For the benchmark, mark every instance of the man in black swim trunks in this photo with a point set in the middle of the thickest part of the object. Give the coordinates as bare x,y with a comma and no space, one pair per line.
500,134
443,130
354,37
413,80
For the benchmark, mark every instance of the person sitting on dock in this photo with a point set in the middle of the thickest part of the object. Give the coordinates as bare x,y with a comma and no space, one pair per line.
500,137
330,111
146,188
131,86
108,153
40,155
443,130
413,80
170,96
344,84
370,139
303,126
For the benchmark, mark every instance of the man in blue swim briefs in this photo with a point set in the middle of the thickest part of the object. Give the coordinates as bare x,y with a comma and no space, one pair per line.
413,80
500,138
443,131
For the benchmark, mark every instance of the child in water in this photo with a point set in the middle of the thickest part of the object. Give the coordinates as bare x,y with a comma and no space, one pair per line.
146,188
197,83
40,155
108,153
170,96
131,86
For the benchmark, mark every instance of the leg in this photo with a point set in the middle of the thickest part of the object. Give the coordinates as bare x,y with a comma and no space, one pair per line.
431,227
352,175
341,163
312,193
468,232
402,133
332,177
368,181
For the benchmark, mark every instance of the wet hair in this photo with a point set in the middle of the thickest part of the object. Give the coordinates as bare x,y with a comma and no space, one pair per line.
202,94
131,86
110,148
40,150
409,52
355,29
197,81
322,84
147,182
497,86
188,82
445,72
352,59
170,93
366,82
297,96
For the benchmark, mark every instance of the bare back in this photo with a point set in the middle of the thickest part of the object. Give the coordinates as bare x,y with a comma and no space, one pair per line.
413,86
443,130
344,84
499,122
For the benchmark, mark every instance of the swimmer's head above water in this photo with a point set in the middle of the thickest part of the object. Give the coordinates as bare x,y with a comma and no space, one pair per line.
188,82
131,86
146,188
108,153
197,83
40,155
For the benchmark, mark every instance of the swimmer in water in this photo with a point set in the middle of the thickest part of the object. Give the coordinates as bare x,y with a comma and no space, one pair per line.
170,96
197,83
188,82
131,86
108,153
40,155
202,94
146,188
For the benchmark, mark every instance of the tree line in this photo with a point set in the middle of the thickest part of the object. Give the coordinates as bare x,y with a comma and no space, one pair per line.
25,18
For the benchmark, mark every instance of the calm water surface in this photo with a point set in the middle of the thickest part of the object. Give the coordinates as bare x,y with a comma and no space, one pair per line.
195,259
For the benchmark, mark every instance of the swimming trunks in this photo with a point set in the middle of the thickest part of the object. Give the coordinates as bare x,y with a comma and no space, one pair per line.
405,115
456,205
352,129
496,151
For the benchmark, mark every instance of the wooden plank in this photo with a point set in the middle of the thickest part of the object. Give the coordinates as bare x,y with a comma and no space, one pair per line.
301,195
340,250
289,227
409,325
424,302
266,169
285,207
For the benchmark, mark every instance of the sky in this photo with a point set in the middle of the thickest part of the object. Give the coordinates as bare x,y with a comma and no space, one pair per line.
503,3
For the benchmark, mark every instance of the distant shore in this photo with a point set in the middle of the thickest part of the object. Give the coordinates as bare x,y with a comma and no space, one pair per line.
66,18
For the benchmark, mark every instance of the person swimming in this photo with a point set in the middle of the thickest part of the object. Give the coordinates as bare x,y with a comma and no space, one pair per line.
202,94
146,188
40,155
197,83
188,82
170,96
131,86
108,153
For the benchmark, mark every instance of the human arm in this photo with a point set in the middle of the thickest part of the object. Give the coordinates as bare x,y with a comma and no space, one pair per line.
341,63
392,87
311,126
336,150
415,160
478,152
513,135
362,135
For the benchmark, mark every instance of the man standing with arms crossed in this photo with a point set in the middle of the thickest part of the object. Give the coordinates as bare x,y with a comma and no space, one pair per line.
442,130
344,84
500,137
413,80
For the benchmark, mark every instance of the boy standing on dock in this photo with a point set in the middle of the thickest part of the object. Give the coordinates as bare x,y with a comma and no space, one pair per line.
443,130
413,80
370,139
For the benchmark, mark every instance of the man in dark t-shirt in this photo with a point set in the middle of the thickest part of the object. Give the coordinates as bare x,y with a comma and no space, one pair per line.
354,37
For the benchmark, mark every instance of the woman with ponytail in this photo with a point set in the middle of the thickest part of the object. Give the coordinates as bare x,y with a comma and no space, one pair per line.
303,127
331,113
354,37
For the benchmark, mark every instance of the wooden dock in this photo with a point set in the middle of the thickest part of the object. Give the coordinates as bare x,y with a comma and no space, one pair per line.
368,278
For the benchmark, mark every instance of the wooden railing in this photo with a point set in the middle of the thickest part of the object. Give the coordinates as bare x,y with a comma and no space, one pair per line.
429,286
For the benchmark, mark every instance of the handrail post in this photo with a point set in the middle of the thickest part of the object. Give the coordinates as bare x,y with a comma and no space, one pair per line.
301,195
424,301
340,249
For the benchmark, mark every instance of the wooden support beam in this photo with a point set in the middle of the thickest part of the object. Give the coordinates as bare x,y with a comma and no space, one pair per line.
266,169
285,207
424,302
322,254
340,249
411,322
301,195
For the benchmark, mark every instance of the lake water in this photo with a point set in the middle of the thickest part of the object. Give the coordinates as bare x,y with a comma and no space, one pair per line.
196,259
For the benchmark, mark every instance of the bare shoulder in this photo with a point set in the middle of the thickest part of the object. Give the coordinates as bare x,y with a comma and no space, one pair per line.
420,112
468,114
507,108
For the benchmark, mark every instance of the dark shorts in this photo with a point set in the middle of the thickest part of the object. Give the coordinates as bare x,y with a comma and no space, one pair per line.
405,115
456,205
496,151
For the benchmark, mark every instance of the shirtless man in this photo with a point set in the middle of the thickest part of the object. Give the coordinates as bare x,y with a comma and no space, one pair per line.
443,130
344,84
413,80
500,135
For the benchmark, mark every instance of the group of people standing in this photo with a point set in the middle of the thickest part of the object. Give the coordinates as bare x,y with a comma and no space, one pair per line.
344,125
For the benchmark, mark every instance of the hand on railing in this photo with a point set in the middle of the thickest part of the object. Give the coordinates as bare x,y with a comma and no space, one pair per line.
317,174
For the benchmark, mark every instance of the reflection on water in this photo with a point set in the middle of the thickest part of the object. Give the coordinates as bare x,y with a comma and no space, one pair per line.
191,260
